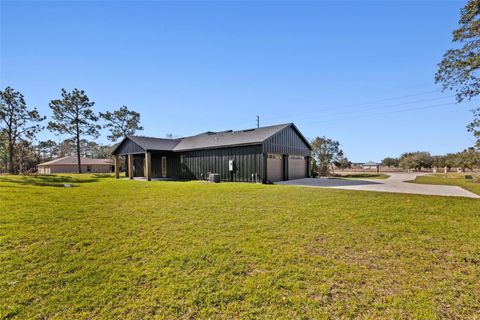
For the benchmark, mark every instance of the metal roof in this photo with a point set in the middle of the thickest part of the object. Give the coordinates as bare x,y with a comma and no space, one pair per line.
72,160
229,138
150,143
210,139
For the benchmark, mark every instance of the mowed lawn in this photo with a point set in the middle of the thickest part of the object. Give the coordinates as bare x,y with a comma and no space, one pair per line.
106,249
454,179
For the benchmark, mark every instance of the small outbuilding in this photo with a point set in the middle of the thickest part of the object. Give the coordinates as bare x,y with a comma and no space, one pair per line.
69,164
265,154
370,165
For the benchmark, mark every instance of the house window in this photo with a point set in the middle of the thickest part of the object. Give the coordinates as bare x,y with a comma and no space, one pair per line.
296,157
274,156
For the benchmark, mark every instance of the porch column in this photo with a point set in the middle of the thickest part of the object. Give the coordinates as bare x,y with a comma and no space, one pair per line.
130,166
148,166
117,166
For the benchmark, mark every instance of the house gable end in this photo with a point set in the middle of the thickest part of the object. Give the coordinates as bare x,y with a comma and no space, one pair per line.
127,146
288,141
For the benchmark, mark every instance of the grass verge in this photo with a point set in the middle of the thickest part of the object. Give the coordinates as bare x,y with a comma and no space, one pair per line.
451,180
362,176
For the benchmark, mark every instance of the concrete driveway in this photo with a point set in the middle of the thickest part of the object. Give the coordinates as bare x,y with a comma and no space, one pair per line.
395,183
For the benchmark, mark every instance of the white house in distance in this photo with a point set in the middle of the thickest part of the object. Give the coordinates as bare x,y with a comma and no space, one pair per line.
69,164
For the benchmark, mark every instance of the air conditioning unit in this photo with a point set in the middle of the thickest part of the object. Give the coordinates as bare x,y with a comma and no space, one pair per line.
214,177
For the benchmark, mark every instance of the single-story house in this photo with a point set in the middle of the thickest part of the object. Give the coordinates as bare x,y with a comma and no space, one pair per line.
265,154
69,164
370,165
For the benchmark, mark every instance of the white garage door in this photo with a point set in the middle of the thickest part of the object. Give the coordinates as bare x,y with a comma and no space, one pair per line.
274,167
297,167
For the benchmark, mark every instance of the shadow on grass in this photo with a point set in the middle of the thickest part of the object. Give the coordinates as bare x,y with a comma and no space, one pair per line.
363,175
158,179
104,175
48,180
326,182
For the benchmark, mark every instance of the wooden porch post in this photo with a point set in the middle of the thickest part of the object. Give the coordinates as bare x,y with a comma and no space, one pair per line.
148,166
117,166
130,166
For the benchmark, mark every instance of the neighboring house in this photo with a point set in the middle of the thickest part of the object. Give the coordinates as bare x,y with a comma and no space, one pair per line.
370,165
69,164
265,154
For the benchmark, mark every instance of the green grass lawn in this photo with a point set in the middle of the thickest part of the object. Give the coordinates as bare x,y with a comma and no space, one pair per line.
451,179
106,249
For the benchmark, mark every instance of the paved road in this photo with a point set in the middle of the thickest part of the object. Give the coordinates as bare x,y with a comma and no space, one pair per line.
395,183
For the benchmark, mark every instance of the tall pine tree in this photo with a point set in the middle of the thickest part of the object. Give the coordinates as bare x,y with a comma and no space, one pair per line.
74,116
121,123
17,122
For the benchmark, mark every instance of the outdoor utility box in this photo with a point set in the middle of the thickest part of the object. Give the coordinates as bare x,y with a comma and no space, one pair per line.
230,165
214,177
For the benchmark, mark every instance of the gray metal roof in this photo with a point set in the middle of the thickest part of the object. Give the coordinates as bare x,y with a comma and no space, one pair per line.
229,138
70,160
150,143
210,139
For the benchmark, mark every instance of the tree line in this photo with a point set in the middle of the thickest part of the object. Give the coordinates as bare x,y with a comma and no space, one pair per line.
418,160
327,155
72,116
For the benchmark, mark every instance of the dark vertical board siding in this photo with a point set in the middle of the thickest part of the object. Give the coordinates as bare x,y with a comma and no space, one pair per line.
264,167
138,165
287,141
128,146
173,164
156,165
309,164
247,161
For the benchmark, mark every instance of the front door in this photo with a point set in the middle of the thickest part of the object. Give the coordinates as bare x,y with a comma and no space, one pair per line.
164,167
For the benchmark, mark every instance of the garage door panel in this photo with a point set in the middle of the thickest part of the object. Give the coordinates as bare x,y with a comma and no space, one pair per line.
297,167
274,167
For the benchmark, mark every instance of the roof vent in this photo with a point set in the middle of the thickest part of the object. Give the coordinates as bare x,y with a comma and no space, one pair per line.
248,130
210,133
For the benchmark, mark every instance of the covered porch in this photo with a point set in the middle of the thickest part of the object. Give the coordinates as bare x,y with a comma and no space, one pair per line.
146,157
148,165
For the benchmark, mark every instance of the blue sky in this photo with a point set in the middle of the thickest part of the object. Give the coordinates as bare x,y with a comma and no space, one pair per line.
358,72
